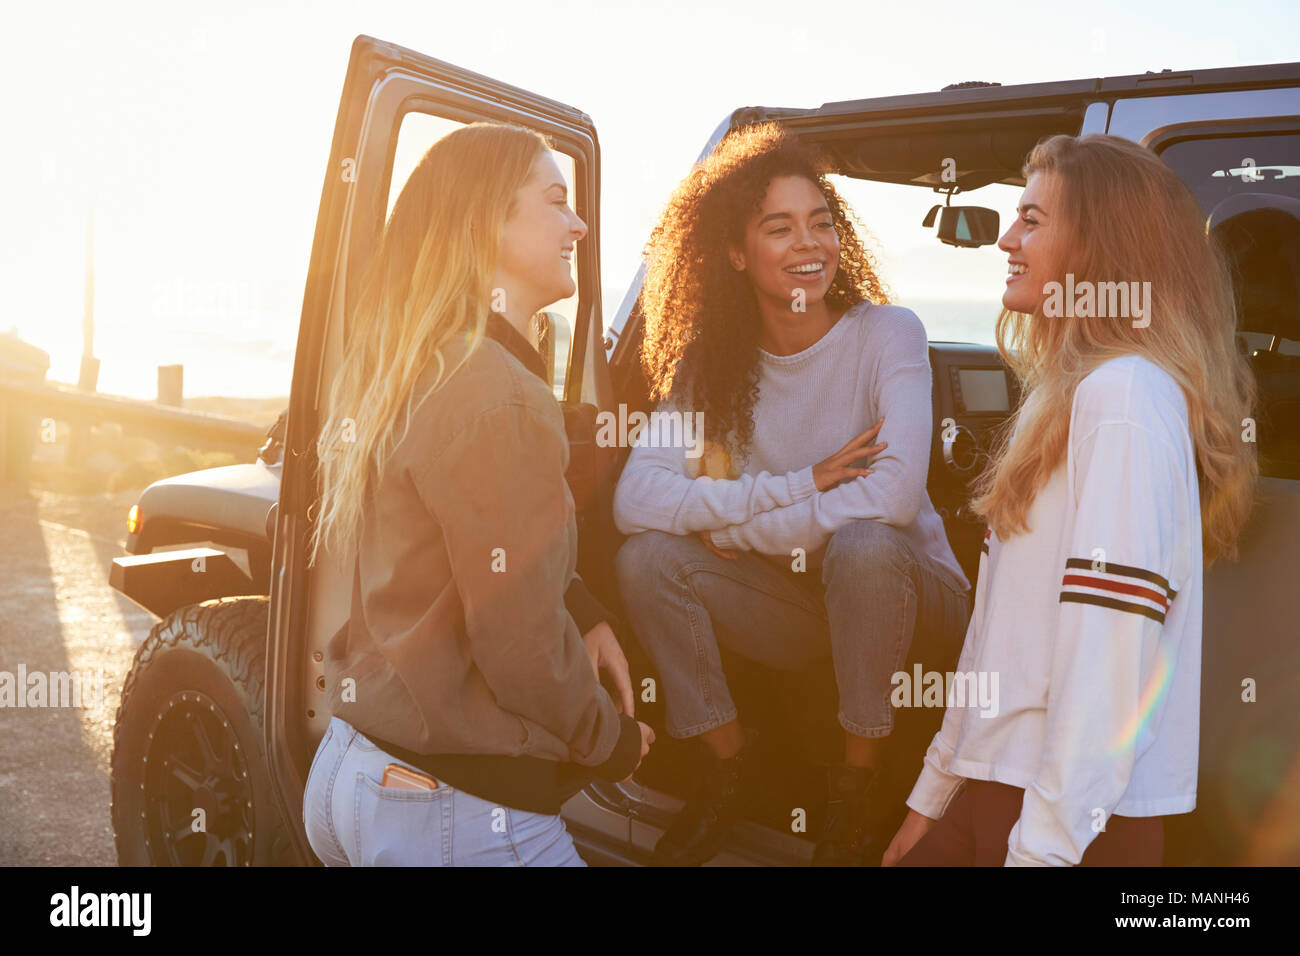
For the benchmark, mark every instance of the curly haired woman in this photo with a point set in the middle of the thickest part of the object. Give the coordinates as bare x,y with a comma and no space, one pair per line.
765,315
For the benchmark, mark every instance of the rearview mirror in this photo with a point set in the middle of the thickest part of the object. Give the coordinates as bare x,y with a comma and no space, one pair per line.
965,226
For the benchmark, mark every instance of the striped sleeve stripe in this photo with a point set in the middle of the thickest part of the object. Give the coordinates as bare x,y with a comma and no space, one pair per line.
1120,587
1085,564
1091,582
1076,597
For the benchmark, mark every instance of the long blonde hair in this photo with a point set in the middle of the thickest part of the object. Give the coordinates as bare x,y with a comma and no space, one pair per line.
428,281
1130,217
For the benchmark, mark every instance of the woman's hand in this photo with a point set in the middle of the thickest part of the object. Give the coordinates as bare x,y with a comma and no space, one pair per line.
909,834
708,543
603,649
829,473
647,738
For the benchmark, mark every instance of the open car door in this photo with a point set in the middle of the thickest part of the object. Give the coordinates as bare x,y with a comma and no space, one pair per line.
395,104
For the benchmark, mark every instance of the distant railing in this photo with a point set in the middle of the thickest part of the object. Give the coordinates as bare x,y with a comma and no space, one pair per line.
26,405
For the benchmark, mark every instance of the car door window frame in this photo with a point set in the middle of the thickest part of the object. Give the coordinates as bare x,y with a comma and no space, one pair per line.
400,94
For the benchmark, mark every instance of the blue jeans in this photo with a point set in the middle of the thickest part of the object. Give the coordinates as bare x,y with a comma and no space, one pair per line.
873,593
352,821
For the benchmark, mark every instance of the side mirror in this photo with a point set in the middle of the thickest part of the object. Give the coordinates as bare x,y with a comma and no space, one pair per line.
964,226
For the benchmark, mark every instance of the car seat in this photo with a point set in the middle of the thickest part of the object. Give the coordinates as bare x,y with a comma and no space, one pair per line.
1260,234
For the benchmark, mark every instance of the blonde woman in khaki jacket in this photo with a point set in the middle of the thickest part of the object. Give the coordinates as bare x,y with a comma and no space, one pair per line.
465,696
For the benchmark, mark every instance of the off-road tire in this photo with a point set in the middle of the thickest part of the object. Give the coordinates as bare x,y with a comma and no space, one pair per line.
188,736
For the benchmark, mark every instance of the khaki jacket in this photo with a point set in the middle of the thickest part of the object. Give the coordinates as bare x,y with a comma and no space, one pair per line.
459,641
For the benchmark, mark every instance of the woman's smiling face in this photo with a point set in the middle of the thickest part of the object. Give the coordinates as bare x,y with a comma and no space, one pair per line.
539,237
790,243
1034,244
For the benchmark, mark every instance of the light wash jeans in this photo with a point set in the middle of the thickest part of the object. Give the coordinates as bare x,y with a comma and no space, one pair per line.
352,821
872,594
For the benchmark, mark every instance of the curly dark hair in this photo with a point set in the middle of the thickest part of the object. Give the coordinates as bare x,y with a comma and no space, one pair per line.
702,320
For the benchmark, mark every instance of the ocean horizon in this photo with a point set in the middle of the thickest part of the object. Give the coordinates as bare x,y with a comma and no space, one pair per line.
222,363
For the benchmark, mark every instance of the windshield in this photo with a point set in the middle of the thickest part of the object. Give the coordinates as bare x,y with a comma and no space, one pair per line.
956,292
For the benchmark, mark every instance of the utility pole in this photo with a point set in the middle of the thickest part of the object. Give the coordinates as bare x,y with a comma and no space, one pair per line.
89,377
79,434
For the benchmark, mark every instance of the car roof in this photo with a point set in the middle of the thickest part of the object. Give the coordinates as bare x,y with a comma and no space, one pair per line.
1151,83
989,128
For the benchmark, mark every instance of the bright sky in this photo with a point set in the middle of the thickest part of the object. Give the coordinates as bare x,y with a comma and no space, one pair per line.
202,136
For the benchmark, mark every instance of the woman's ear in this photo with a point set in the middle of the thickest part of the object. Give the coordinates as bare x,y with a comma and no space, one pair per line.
737,259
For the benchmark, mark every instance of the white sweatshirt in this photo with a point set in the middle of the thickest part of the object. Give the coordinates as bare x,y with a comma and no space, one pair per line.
1092,623
874,361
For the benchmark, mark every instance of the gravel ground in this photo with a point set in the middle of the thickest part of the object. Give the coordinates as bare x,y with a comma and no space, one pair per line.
59,614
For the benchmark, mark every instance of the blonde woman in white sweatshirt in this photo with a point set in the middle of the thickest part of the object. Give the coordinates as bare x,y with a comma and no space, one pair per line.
1125,469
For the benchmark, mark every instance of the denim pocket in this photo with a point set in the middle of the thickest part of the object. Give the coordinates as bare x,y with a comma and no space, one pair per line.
401,827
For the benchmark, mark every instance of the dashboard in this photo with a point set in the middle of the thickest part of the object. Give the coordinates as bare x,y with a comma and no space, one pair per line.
973,395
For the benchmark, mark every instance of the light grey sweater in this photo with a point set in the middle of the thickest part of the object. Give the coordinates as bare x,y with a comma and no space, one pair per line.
874,361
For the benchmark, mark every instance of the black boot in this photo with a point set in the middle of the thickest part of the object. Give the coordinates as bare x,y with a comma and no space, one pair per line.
698,832
856,818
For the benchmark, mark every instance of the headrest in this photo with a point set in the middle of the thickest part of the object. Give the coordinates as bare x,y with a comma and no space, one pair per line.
1260,234
1247,202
